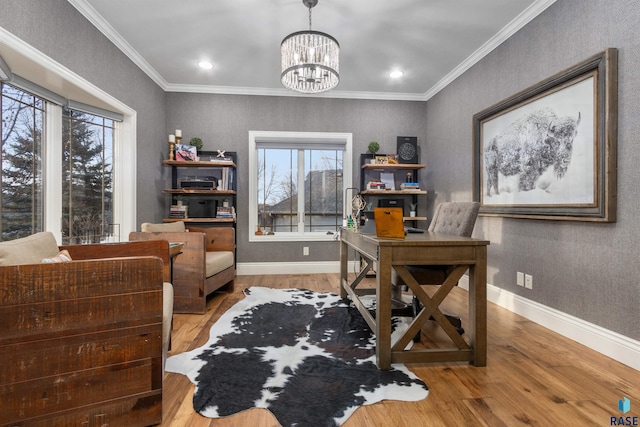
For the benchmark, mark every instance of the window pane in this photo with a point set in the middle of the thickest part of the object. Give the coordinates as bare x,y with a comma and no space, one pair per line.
278,190
87,184
277,194
21,211
323,190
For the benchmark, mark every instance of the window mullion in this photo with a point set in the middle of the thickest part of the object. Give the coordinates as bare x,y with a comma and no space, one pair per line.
301,192
52,153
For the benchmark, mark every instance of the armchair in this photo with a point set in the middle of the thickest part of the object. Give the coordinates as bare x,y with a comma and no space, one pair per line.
456,218
206,264
82,341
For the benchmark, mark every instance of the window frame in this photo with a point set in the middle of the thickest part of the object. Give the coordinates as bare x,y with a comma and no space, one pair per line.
66,83
307,139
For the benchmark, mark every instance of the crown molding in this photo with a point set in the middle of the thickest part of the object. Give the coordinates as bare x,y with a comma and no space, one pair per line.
528,15
234,90
511,28
109,32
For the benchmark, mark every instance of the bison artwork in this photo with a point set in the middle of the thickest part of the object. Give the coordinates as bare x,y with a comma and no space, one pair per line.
528,147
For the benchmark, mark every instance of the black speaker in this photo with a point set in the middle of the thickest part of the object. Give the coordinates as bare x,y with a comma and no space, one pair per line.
408,149
391,203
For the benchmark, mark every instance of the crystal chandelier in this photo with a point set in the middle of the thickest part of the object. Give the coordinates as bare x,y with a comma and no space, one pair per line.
310,59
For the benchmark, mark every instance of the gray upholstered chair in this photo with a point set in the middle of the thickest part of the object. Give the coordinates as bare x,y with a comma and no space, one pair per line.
456,218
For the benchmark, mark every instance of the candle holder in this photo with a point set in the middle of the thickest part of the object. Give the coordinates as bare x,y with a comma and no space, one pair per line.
178,139
172,147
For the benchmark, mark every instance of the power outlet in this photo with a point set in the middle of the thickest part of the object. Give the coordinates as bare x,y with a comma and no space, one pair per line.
528,281
305,251
520,278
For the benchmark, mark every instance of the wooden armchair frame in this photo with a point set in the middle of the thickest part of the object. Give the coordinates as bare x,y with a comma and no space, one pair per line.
191,284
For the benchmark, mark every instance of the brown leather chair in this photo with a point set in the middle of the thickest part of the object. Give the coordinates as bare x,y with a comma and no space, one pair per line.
456,218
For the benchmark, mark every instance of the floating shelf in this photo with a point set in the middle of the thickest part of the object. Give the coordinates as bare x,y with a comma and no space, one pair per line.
199,164
387,192
394,166
199,220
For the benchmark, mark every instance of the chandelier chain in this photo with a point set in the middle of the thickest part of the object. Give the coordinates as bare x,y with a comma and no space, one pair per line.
309,18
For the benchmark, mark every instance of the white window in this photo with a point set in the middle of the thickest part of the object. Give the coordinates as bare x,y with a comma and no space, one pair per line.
81,95
297,184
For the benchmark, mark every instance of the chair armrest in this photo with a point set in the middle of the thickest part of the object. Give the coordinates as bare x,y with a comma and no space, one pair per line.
217,238
192,258
157,248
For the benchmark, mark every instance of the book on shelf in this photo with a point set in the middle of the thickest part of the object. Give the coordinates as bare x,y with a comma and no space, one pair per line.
179,211
224,159
225,212
410,186
226,181
376,185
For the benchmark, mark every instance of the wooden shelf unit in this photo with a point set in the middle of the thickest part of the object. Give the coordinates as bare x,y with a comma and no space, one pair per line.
369,169
203,202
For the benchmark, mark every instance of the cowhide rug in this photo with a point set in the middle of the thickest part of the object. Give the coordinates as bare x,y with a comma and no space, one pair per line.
308,357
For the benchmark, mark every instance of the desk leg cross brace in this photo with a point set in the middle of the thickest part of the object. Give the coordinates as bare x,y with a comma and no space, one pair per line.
430,307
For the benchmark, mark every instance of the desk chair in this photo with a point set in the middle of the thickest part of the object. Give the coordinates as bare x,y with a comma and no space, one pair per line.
456,218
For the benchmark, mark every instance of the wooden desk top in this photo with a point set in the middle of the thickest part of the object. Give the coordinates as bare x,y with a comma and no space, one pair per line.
417,239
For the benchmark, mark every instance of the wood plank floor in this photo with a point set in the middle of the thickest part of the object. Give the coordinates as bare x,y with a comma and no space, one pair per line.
533,375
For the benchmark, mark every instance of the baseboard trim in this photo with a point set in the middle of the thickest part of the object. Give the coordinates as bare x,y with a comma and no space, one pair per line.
612,344
315,267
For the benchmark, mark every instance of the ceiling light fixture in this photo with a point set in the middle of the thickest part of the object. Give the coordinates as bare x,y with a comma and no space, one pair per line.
310,59
205,65
396,74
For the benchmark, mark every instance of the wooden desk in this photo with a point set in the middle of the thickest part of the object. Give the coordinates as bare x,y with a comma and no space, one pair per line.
420,249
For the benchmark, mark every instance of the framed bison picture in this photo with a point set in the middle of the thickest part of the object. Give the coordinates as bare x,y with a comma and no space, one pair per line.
549,152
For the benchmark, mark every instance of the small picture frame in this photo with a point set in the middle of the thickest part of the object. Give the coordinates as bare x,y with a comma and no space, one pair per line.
186,153
382,160
388,179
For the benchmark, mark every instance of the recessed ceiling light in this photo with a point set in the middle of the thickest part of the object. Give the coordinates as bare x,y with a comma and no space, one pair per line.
205,64
396,74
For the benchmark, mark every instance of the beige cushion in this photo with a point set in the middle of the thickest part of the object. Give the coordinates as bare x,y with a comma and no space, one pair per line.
148,227
63,256
29,250
167,316
217,261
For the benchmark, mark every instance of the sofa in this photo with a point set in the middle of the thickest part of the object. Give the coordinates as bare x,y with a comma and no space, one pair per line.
84,330
206,264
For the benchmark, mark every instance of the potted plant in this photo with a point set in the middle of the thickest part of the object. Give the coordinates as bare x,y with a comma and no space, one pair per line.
196,142
412,209
373,149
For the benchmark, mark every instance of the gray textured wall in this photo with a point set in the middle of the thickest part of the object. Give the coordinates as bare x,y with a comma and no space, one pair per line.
224,122
57,29
587,270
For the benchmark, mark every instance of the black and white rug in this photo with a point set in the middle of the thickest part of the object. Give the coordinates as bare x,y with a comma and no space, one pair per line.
307,357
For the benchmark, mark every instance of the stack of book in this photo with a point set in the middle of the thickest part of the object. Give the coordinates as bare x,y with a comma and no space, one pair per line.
180,212
226,181
225,212
410,186
376,185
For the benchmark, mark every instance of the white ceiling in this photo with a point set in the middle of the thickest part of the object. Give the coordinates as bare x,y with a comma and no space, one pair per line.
432,41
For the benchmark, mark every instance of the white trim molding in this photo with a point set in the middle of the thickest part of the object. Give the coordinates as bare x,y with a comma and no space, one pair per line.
315,267
61,80
612,344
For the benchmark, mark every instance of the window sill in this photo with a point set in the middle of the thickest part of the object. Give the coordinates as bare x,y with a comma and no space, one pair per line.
295,237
